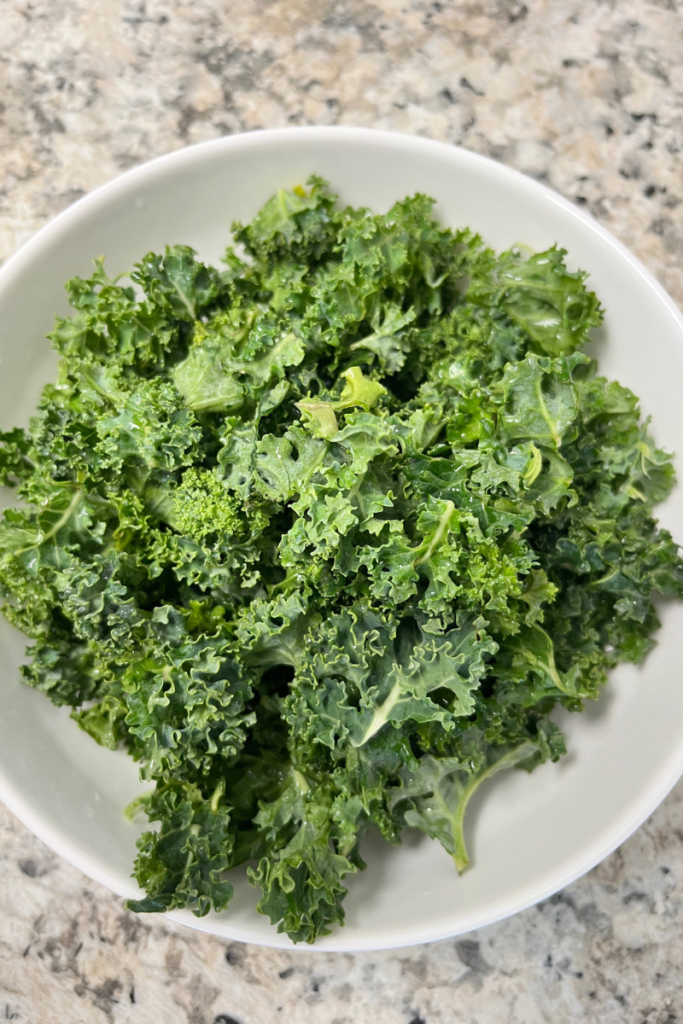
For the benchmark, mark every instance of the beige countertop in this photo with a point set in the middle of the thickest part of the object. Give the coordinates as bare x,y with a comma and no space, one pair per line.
586,95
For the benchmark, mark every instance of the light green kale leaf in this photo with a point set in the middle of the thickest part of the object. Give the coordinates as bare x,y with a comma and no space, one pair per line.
219,376
434,796
550,303
539,400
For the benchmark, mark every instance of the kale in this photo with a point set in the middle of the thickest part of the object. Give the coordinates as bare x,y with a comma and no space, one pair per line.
323,537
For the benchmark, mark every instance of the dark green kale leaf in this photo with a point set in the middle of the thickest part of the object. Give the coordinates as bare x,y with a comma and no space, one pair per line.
15,464
301,876
183,863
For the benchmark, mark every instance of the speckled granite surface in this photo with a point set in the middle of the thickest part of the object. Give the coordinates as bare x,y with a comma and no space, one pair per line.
586,95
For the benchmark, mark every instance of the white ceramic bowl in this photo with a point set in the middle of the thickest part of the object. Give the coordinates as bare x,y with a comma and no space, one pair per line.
528,835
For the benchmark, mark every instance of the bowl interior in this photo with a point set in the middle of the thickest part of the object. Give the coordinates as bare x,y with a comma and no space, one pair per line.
528,835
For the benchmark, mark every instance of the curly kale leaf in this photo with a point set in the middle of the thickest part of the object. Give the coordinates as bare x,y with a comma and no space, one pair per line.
15,463
182,864
362,674
434,796
541,296
301,876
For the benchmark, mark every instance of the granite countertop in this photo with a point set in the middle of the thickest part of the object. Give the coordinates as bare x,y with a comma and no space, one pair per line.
586,95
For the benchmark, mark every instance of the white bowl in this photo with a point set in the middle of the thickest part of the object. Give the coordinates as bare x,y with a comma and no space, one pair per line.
528,835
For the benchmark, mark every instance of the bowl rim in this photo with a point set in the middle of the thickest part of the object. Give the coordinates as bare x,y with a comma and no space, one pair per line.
643,803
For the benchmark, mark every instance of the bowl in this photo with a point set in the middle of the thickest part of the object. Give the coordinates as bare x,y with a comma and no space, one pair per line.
528,835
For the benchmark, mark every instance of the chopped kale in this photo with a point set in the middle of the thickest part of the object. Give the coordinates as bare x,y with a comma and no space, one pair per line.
322,538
